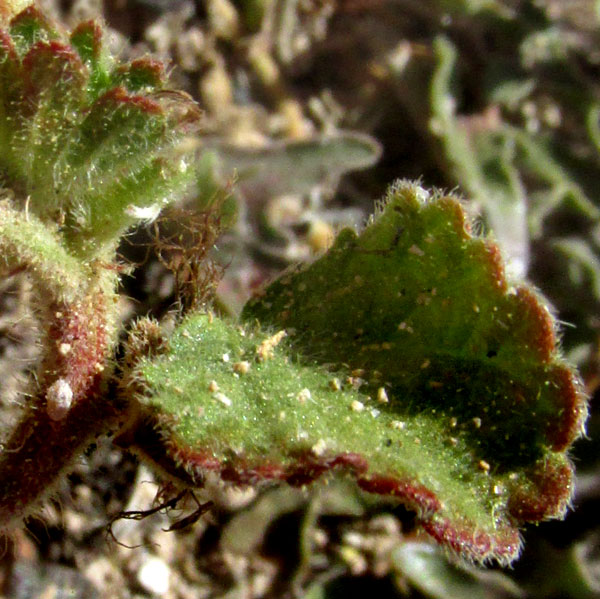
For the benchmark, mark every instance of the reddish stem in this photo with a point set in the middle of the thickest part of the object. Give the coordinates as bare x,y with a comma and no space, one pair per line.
45,440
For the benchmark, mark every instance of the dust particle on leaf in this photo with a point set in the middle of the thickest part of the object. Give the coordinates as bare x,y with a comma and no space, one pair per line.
265,350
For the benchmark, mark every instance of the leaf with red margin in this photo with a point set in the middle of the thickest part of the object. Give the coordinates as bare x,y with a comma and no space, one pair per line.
141,74
86,40
29,27
454,396
53,78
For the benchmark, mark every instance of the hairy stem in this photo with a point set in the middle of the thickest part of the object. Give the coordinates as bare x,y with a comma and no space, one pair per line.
66,411
40,449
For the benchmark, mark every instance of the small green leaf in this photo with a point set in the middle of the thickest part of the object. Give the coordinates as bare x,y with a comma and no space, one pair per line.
86,40
141,75
29,27
53,92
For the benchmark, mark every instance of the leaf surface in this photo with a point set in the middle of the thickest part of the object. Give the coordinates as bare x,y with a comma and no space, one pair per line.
407,358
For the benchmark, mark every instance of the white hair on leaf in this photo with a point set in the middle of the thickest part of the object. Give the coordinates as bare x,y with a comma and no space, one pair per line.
145,213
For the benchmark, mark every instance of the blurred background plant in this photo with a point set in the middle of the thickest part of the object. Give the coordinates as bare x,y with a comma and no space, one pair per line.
311,107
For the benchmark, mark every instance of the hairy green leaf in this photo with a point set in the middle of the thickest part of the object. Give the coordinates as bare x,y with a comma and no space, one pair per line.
404,355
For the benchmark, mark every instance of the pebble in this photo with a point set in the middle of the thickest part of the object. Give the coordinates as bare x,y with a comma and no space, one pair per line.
154,575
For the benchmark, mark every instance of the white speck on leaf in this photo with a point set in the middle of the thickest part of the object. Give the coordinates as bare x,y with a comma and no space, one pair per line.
241,367
303,396
319,447
222,398
265,351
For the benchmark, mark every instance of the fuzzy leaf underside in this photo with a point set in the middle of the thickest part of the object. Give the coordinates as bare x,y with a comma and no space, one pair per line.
89,142
415,311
